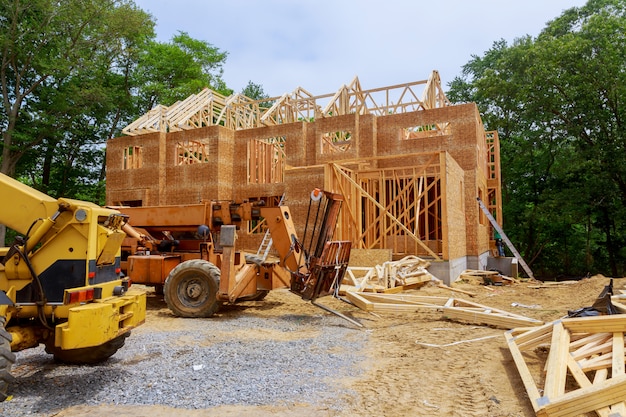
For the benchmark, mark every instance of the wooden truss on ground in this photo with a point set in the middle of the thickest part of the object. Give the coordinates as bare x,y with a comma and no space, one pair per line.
452,308
209,108
584,370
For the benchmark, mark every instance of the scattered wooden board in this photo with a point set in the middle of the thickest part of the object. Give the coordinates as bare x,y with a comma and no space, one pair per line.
585,368
467,311
395,303
452,308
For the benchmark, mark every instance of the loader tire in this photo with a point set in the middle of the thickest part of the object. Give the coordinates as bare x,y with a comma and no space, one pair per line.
191,289
7,359
90,355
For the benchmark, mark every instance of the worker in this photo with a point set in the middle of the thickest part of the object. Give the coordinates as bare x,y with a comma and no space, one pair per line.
499,245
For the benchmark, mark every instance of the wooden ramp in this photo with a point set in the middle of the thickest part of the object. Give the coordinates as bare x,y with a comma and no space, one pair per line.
584,370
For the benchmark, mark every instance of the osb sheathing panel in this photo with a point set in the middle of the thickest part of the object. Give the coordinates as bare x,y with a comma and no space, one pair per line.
131,184
460,142
295,150
299,184
454,226
362,130
191,183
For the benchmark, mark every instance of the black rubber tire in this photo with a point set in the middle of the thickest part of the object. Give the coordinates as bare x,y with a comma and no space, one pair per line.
7,359
191,289
90,355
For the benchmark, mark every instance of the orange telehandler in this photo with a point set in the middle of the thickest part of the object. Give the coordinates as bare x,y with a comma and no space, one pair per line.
188,252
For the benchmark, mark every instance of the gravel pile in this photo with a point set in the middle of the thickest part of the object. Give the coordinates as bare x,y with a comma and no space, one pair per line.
199,364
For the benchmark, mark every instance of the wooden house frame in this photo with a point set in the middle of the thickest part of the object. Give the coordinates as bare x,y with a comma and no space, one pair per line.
410,165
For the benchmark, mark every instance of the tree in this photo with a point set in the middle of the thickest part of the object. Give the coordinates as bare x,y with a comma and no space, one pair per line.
556,101
168,72
60,60
256,92
50,46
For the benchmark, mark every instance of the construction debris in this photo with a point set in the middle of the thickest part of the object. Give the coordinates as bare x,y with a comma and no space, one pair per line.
584,370
389,277
451,308
475,276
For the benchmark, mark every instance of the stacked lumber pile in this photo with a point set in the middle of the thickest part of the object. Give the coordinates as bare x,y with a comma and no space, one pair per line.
584,370
389,277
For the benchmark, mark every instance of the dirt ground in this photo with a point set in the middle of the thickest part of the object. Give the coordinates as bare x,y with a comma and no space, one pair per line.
418,364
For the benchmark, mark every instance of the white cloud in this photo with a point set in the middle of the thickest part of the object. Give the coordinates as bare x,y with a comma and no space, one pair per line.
321,45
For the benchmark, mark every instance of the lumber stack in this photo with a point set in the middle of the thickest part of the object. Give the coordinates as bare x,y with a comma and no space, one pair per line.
388,277
584,370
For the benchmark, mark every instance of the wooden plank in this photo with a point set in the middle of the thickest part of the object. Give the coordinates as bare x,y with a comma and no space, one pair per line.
489,318
528,337
586,339
359,301
575,403
583,382
522,369
405,298
593,349
466,303
556,365
597,362
617,369
618,355
611,323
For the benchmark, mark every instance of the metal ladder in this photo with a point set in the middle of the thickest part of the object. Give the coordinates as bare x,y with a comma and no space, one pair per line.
266,243
506,240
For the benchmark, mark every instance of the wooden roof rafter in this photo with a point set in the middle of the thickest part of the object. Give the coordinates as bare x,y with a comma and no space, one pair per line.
300,105
148,123
195,111
240,112
382,101
209,108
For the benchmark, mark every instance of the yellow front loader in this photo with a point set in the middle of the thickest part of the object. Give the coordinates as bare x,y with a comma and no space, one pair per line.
60,280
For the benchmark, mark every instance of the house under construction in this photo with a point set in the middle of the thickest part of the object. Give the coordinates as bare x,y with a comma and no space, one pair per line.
409,164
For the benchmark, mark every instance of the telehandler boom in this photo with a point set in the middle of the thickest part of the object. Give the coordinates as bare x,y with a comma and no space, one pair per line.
60,281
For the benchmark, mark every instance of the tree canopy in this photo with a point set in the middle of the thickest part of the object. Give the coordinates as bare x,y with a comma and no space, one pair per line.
557,102
74,73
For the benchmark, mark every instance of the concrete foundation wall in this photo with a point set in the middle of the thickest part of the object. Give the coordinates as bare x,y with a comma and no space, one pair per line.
448,271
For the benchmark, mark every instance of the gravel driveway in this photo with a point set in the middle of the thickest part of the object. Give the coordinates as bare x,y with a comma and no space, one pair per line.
248,355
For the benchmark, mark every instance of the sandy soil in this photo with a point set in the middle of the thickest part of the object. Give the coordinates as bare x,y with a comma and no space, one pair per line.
410,371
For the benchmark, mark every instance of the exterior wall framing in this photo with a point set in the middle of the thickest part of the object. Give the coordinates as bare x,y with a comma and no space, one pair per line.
414,193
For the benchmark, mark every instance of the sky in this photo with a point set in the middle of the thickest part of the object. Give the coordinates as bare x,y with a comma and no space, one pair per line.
322,45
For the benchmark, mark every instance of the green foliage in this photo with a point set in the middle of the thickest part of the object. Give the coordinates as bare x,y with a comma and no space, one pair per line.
65,83
256,92
74,73
168,72
557,103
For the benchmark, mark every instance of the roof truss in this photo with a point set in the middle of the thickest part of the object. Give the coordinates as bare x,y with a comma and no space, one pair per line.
238,112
